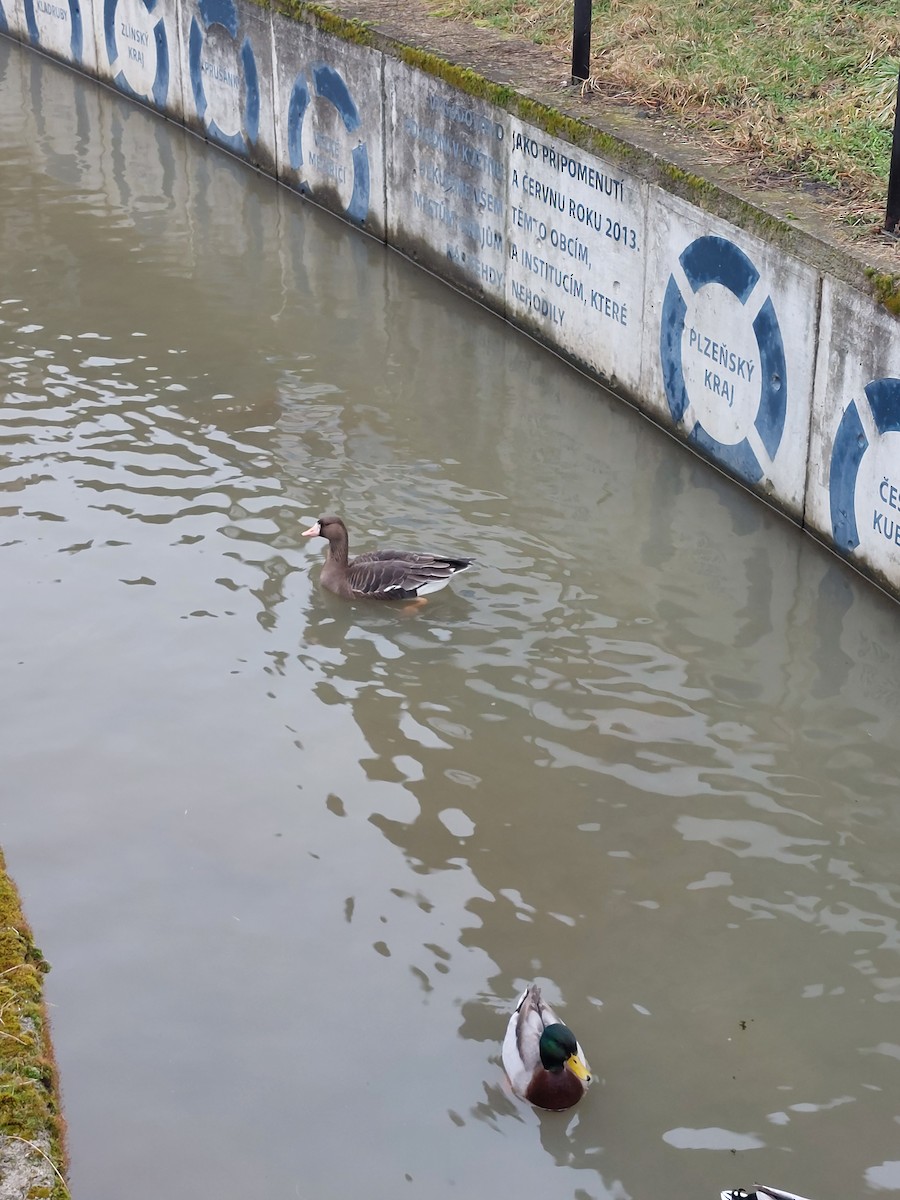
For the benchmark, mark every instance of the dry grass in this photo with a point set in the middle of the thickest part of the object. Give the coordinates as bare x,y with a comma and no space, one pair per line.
803,88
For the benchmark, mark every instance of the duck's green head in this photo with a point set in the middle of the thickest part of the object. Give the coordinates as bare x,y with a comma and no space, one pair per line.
559,1049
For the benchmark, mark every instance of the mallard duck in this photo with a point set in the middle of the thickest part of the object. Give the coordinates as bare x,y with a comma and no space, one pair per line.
380,574
760,1193
543,1060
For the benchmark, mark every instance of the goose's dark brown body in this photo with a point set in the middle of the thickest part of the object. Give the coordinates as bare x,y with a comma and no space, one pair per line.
380,574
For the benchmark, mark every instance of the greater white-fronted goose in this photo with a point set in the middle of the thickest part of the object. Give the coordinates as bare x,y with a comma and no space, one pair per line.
541,1056
380,574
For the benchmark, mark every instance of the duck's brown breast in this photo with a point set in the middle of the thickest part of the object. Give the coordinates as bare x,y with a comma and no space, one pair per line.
554,1090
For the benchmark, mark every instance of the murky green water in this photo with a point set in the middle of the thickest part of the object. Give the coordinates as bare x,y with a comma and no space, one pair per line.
291,858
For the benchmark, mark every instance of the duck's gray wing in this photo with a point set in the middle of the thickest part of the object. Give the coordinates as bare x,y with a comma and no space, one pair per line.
530,1025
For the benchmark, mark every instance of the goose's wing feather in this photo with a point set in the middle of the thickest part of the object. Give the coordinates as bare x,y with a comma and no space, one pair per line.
760,1192
401,574
412,558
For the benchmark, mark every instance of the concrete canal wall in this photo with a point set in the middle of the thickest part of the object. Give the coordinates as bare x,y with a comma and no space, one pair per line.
763,349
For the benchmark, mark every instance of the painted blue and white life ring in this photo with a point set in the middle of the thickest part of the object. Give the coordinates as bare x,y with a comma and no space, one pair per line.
223,13
330,86
137,47
56,13
715,260
851,444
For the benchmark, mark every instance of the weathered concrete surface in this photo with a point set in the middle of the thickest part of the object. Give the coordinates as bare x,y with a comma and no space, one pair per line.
226,65
32,1149
26,1170
578,240
446,181
853,489
329,122
731,326
138,52
59,28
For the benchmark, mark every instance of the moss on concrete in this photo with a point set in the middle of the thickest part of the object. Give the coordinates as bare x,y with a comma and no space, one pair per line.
464,79
886,290
359,33
32,1132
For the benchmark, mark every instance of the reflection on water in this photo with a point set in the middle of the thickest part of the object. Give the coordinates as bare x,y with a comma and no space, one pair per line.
293,859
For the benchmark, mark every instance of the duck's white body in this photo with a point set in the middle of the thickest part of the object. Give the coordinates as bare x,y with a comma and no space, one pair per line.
522,1055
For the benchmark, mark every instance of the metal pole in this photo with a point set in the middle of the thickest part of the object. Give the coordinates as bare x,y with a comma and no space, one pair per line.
581,41
892,215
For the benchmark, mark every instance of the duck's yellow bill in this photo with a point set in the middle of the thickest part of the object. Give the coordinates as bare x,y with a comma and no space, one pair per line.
578,1067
